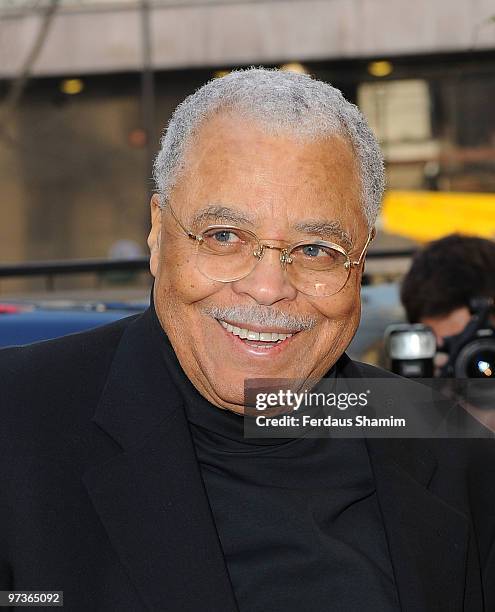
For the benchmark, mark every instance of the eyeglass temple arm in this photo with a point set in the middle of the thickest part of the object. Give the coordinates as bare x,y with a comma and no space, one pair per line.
371,235
188,232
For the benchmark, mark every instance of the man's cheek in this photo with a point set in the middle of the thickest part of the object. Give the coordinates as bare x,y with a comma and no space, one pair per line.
345,305
188,284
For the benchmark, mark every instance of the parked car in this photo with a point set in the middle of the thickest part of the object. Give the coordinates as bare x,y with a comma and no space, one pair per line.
25,322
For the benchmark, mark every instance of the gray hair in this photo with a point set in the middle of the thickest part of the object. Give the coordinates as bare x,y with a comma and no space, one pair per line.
280,102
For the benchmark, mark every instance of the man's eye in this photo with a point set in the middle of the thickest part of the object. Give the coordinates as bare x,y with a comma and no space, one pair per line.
225,236
314,250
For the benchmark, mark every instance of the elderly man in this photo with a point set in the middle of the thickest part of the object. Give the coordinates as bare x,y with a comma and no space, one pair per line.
126,480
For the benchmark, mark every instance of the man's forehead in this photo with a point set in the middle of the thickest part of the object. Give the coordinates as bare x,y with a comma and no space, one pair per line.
228,152
226,130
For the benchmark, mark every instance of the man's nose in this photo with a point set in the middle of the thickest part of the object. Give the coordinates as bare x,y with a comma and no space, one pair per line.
268,282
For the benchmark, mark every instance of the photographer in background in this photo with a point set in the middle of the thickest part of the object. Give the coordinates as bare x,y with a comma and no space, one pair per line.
451,288
444,277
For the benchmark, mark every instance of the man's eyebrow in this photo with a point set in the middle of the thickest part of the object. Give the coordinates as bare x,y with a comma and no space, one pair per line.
219,213
325,229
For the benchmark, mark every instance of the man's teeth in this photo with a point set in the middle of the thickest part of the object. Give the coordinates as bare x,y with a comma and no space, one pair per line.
248,334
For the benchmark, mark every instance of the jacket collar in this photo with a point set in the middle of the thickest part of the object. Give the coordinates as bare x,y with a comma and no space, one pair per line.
151,499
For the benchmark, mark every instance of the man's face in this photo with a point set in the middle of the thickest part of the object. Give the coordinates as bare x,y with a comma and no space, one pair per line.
449,324
269,185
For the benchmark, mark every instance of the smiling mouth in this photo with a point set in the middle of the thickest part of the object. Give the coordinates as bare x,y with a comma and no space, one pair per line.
259,339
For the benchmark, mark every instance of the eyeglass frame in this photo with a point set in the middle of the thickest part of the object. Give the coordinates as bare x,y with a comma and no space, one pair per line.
284,251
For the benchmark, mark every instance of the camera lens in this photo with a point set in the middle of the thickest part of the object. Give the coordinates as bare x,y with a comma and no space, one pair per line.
476,360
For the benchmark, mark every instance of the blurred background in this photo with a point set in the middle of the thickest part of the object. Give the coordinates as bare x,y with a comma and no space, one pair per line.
87,86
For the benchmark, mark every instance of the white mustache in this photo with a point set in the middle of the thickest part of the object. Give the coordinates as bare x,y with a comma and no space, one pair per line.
244,315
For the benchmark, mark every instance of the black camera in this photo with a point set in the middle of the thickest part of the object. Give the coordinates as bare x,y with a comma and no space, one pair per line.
411,349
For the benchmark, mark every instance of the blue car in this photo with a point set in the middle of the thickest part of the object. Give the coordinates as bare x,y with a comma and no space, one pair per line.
23,323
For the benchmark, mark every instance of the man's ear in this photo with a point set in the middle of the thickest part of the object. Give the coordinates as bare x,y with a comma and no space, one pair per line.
155,234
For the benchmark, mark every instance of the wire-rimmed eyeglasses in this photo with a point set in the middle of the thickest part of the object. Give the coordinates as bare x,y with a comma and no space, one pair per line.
226,253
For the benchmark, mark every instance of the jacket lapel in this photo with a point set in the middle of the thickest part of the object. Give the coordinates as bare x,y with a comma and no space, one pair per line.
428,539
150,497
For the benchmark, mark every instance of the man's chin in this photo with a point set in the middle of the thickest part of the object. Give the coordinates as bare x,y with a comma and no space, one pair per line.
235,389
231,398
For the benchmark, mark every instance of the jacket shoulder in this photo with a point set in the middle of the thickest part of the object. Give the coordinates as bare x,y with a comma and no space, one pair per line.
57,377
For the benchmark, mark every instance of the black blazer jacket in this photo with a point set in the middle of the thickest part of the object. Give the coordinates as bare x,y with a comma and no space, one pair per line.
101,495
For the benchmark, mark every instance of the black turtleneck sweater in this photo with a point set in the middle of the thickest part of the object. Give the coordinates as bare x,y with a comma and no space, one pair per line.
298,519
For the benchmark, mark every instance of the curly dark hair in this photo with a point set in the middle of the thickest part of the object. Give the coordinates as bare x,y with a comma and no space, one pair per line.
446,274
